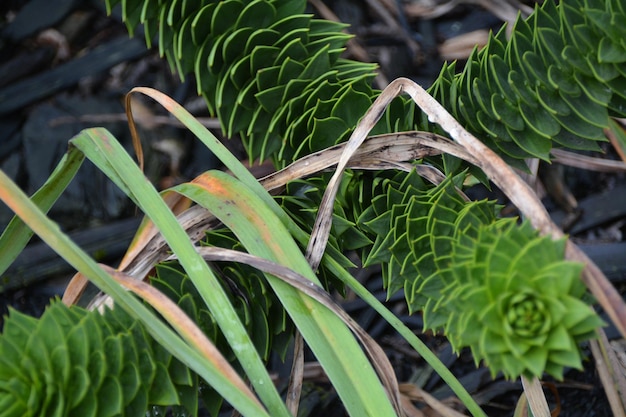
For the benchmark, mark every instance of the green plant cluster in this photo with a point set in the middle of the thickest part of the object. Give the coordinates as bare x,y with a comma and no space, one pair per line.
465,269
72,362
488,283
509,295
275,76
408,221
556,80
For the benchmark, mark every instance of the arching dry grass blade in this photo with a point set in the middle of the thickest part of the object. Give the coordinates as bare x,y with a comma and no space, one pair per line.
617,136
590,163
388,151
296,377
416,393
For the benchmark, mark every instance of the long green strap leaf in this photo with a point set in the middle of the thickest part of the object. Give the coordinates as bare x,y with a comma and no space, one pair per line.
17,234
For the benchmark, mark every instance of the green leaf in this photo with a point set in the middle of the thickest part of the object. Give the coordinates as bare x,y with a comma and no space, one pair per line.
594,89
610,51
552,42
543,125
79,387
231,50
563,80
221,20
351,106
256,15
506,112
587,110
317,65
88,407
110,398
328,131
16,235
162,391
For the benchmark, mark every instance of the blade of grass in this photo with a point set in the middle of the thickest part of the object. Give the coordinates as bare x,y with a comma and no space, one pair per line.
198,129
441,409
535,397
264,235
105,151
50,233
617,135
137,248
17,234
604,370
147,230
183,325
312,290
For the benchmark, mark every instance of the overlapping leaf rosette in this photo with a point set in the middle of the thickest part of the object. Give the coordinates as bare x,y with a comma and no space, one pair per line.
489,284
511,297
73,362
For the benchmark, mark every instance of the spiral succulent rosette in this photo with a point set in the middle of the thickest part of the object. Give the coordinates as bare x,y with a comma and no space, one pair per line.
73,362
489,284
512,299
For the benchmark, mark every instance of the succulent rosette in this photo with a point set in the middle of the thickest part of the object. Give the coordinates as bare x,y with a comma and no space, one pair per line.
512,299
489,284
74,362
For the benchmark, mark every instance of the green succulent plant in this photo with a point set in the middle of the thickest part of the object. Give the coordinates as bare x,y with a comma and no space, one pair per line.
488,283
511,298
275,75
555,82
72,362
